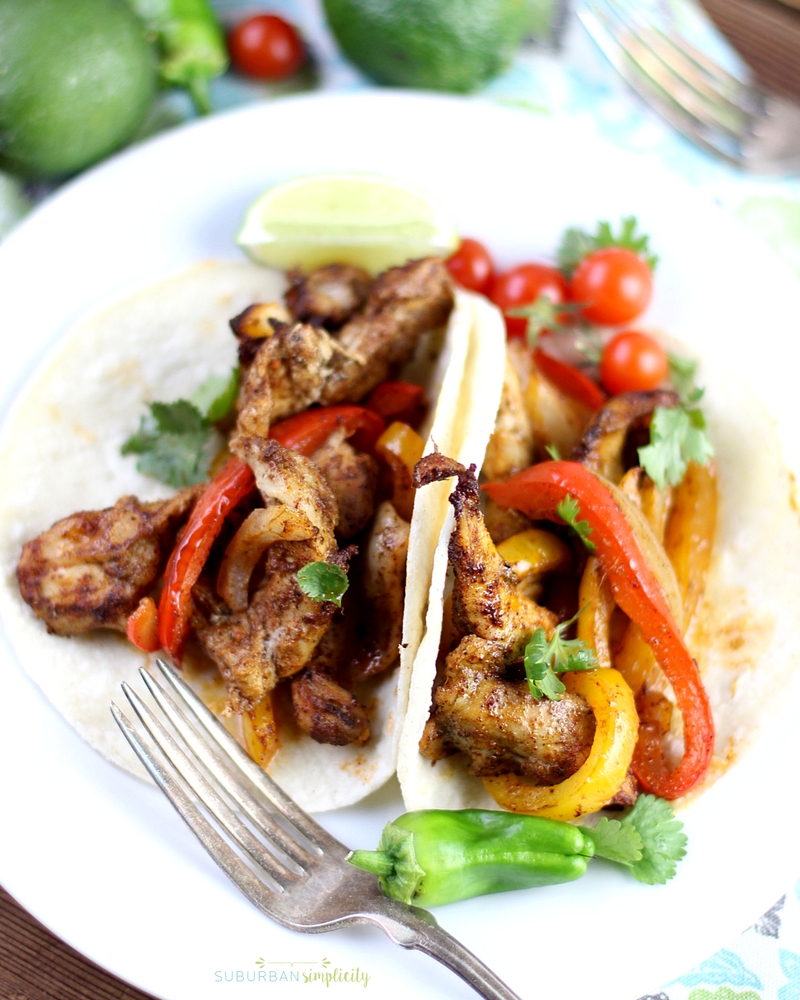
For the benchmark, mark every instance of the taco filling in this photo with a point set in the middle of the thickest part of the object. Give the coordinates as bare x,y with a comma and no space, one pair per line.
287,570
578,561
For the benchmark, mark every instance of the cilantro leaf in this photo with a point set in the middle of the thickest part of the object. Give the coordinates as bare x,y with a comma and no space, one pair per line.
614,841
650,831
323,581
568,511
176,441
174,444
681,373
216,396
677,436
544,659
577,243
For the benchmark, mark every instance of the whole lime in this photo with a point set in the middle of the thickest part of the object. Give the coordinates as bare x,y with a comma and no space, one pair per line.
77,78
433,44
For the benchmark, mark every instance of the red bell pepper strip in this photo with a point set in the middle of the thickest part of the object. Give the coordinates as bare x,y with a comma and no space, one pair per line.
307,431
142,626
570,380
231,485
537,491
401,401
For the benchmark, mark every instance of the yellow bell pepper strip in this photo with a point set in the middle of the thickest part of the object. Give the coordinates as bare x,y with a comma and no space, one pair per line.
537,492
600,776
437,856
401,448
260,732
689,534
535,551
597,602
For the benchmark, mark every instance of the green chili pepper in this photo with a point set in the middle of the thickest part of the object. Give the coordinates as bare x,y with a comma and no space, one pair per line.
437,856
190,43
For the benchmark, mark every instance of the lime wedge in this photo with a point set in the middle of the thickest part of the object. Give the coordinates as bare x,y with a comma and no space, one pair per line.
371,221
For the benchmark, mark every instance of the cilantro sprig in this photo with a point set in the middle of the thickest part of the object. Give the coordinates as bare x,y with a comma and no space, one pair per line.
678,434
323,581
649,841
175,441
578,243
568,510
545,659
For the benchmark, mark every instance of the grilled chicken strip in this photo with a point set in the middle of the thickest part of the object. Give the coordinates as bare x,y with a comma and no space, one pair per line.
403,304
326,712
302,364
287,375
477,709
327,296
278,633
603,444
383,582
486,599
91,569
496,722
353,479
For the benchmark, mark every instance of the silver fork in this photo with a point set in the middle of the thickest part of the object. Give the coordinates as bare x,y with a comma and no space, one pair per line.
742,124
280,858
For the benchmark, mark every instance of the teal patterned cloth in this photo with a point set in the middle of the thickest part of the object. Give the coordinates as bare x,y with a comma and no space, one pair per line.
573,80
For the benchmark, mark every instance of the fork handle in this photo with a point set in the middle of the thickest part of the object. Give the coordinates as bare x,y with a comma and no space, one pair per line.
412,927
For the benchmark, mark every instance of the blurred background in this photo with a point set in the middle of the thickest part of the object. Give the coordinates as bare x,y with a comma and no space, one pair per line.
81,79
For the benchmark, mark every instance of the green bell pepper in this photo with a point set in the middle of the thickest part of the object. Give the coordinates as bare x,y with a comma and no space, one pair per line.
190,42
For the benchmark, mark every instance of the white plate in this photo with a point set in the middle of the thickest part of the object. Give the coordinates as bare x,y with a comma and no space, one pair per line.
100,857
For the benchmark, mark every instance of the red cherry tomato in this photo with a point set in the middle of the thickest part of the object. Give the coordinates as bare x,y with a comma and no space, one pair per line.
615,285
266,47
471,266
633,362
523,285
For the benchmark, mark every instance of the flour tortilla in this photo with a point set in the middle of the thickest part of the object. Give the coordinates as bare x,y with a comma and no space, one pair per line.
744,636
60,453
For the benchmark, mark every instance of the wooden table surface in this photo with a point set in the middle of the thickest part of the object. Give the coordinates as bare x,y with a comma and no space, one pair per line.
34,965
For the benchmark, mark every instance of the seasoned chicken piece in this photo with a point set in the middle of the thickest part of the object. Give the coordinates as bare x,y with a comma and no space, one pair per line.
403,304
254,324
353,479
383,583
603,444
286,376
278,633
90,570
327,712
497,723
329,295
486,600
301,364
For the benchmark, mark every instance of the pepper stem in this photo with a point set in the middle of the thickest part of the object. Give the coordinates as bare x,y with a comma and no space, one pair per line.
199,92
375,862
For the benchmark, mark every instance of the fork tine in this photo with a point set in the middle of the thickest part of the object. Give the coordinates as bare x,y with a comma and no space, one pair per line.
703,104
232,752
169,781
227,775
708,78
663,103
207,794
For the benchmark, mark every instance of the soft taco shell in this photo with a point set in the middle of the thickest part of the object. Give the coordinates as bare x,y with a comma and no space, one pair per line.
744,635
60,453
